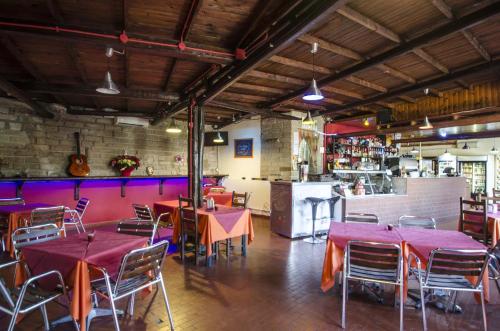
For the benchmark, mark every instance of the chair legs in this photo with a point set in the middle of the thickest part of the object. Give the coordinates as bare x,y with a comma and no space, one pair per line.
46,325
344,299
112,303
422,300
170,319
401,306
483,307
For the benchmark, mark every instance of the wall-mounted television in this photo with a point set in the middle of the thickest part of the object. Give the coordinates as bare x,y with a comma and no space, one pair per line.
210,136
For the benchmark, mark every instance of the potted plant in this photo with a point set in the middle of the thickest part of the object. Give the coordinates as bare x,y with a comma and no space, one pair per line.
125,164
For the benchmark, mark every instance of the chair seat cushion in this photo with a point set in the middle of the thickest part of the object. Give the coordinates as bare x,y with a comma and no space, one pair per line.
373,273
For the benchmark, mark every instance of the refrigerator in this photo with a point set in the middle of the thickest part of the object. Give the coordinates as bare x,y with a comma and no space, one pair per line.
474,169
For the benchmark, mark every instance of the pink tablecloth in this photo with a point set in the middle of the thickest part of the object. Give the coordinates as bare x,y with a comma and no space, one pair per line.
73,255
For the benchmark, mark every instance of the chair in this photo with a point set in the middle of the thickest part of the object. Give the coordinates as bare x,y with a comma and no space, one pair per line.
32,235
447,270
188,218
474,219
76,215
239,199
373,262
143,212
30,296
140,269
314,205
4,222
138,228
361,218
406,221
494,265
48,215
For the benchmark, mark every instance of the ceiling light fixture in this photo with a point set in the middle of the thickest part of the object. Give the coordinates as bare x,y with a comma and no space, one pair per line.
494,150
308,119
313,93
366,121
172,127
108,86
426,125
414,150
218,139
443,133
466,146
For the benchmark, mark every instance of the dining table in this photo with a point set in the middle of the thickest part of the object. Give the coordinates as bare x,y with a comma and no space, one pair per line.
221,198
76,258
213,225
494,227
411,240
15,216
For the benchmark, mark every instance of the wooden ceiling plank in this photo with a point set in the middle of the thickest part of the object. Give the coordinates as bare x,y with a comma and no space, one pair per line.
331,47
16,53
55,11
254,20
431,60
346,93
368,23
476,44
252,110
396,73
407,99
23,97
276,77
259,88
361,82
443,8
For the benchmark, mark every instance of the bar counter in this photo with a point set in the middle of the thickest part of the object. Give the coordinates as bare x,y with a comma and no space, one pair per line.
434,197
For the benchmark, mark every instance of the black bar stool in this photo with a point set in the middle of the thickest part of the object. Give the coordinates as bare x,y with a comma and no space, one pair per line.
314,204
331,202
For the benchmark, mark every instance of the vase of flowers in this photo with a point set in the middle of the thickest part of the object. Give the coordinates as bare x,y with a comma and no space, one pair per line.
125,164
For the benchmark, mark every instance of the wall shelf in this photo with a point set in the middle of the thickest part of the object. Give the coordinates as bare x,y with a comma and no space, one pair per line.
19,182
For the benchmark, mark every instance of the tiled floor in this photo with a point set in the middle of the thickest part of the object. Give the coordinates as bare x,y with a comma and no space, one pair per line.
275,288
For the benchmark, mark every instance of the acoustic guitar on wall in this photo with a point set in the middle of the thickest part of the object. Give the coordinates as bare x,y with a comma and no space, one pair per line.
78,166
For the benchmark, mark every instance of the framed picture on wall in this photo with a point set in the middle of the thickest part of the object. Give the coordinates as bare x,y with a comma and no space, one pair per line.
243,148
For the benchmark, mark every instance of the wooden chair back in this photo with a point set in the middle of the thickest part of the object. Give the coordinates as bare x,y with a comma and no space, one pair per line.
457,263
474,219
239,200
361,218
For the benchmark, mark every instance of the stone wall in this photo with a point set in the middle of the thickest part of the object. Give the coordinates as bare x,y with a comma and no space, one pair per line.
276,148
41,147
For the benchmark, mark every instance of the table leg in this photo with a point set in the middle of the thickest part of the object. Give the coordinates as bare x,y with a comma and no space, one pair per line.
244,245
95,312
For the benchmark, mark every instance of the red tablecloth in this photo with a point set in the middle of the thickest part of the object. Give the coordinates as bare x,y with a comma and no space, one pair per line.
419,241
73,255
223,198
15,215
212,225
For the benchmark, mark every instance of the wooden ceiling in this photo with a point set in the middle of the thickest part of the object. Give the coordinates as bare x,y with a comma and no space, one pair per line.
372,55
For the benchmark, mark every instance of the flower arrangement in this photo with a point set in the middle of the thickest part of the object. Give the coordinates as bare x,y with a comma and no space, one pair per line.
125,164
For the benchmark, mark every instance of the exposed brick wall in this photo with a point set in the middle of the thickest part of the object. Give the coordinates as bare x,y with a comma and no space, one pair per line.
41,147
276,148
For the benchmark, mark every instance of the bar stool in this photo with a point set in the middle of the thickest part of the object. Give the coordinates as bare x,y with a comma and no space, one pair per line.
314,204
331,203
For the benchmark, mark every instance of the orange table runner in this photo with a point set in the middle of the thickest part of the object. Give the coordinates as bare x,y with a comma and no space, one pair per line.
210,229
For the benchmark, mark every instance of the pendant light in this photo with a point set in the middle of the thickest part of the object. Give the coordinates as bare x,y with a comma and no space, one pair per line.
218,139
466,146
414,150
366,122
172,127
426,125
313,93
108,86
308,120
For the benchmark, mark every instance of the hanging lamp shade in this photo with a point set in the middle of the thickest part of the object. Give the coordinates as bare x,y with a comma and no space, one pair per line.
308,120
313,93
172,127
108,86
466,146
218,139
494,151
426,125
414,150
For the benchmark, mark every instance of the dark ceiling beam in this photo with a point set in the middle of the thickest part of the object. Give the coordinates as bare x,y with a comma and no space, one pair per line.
252,110
254,21
19,57
87,91
23,97
454,75
93,112
403,48
283,32
202,53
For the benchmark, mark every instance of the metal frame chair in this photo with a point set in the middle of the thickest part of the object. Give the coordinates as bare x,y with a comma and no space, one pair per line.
446,270
407,221
361,218
188,218
11,201
143,212
139,228
372,262
48,215
494,265
30,297
483,235
32,235
76,215
140,269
